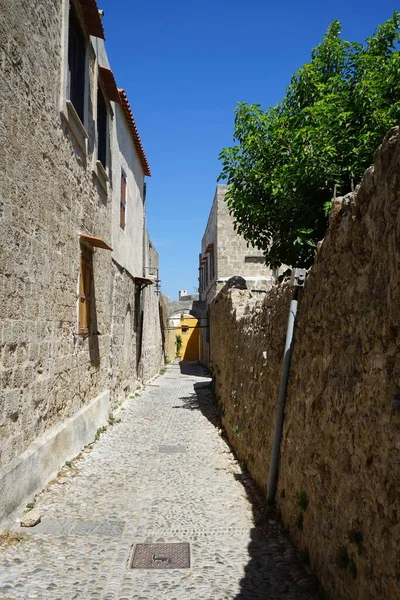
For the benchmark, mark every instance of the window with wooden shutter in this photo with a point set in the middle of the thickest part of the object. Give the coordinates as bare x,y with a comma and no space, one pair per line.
85,290
122,206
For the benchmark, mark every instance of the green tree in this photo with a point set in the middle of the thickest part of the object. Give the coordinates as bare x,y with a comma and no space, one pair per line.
286,160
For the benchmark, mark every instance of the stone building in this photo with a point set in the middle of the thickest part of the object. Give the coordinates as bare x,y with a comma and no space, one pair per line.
225,254
79,314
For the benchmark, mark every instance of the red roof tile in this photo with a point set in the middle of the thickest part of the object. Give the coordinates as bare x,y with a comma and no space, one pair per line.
134,131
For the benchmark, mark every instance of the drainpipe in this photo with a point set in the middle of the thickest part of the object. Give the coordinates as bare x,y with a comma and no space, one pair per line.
297,281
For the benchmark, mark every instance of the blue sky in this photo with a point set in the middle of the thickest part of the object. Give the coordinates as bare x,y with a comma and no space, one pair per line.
184,66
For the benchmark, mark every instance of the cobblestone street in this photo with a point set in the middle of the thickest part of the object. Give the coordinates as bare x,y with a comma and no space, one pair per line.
162,474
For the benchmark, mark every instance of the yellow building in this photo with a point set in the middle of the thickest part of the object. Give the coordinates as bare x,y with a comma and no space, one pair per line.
187,327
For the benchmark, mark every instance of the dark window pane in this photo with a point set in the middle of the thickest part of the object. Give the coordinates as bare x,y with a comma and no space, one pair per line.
76,63
101,128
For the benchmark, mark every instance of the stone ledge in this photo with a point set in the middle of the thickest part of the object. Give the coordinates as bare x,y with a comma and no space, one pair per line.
75,125
31,471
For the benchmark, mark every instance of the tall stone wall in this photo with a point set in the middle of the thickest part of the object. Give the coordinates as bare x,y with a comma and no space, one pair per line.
152,341
339,478
123,348
55,385
48,195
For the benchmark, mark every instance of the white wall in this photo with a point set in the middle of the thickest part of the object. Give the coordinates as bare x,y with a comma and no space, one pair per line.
127,244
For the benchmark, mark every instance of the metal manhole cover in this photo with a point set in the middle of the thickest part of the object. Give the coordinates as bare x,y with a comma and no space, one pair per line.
161,556
172,449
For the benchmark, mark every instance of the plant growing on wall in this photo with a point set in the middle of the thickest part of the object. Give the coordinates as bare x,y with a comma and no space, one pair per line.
288,160
178,343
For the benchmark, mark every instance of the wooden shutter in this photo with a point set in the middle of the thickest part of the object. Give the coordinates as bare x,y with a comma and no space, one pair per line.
85,290
122,212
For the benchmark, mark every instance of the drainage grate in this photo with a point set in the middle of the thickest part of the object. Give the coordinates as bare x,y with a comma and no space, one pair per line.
176,449
161,556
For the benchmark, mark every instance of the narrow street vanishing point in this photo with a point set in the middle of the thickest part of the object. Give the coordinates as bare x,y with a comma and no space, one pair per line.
157,508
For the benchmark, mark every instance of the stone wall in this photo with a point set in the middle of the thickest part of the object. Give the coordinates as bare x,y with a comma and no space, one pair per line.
55,384
338,489
152,341
48,195
164,327
232,256
123,366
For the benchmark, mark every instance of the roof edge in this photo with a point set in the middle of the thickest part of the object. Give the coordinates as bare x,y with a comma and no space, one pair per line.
134,131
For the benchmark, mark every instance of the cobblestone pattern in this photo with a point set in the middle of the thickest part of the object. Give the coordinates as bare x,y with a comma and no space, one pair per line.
122,490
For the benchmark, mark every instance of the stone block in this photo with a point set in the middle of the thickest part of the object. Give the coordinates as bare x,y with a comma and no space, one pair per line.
31,518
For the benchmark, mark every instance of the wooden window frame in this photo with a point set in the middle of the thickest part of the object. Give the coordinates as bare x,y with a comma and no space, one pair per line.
122,203
85,291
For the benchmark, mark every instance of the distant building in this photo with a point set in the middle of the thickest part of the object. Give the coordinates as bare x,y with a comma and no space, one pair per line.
224,254
182,322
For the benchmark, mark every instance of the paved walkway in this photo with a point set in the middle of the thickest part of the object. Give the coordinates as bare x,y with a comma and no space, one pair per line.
161,475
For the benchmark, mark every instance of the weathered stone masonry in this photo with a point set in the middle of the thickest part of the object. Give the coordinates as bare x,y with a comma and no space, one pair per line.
340,457
48,196
224,254
50,192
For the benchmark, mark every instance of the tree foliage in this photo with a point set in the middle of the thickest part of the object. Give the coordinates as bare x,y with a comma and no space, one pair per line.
286,161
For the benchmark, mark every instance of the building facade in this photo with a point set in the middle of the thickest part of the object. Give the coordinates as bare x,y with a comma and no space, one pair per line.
74,245
225,254
182,322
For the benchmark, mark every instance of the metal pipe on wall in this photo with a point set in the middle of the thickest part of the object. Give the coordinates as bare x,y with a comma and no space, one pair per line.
297,281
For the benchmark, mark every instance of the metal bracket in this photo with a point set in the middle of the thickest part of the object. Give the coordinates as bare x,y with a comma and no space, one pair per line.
298,278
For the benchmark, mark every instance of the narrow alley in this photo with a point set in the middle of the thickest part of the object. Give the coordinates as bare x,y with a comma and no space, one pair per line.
160,474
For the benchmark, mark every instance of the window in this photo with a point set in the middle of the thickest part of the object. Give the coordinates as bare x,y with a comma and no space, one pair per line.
122,205
85,290
76,63
212,263
102,126
255,259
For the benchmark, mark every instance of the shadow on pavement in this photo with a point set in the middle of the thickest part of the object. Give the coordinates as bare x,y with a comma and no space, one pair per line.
275,570
194,368
202,400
